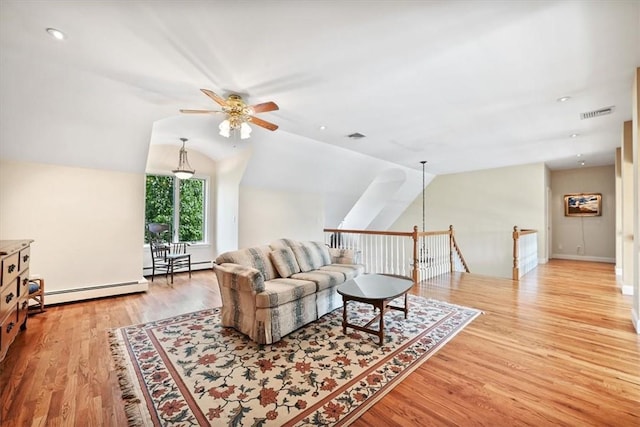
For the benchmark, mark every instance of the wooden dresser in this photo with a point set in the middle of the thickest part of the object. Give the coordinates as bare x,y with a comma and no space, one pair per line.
14,290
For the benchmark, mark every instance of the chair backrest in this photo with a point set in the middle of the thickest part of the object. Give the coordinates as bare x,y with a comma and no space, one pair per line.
179,248
159,250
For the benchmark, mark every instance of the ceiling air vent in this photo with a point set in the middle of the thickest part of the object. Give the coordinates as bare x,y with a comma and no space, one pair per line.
597,113
356,135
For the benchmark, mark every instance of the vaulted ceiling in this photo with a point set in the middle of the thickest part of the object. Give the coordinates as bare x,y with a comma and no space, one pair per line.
465,85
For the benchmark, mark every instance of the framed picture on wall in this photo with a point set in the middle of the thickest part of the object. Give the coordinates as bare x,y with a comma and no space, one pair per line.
583,204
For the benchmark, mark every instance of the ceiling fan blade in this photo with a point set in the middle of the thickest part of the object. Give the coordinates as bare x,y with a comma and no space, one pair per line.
220,100
263,123
264,107
199,111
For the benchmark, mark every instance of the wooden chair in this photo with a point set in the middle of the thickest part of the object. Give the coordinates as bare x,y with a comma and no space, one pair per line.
36,293
168,257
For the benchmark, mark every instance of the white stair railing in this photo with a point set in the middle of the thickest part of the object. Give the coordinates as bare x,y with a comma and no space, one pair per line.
416,255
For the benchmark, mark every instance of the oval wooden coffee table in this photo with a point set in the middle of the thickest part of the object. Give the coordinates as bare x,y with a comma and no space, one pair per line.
377,290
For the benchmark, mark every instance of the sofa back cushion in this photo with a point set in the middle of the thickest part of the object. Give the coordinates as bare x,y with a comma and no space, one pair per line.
311,255
256,257
284,243
285,262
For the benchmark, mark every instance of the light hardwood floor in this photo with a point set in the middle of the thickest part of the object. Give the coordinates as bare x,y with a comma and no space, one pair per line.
557,348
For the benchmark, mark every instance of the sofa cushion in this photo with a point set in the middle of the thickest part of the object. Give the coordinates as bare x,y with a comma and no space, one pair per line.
285,262
311,255
342,256
322,278
284,243
349,270
256,257
281,291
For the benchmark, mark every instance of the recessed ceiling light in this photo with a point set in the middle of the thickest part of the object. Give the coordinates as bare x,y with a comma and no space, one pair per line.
56,34
579,155
574,135
581,162
323,127
564,99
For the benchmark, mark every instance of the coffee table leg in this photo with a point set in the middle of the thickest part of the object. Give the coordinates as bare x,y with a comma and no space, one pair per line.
406,305
344,315
381,333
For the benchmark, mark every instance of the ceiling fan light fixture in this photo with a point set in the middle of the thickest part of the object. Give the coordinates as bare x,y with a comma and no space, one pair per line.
184,169
225,128
245,130
238,114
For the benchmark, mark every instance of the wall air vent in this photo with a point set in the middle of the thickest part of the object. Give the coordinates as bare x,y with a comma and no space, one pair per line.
597,113
356,135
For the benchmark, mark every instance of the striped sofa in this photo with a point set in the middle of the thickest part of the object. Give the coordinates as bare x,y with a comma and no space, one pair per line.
272,290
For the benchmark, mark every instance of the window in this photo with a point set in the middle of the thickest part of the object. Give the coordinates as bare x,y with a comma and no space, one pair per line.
179,203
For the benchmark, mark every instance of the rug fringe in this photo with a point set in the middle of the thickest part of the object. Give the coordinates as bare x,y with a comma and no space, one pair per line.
131,401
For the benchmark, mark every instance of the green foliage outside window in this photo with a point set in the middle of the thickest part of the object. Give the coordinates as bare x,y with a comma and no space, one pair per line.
160,206
191,210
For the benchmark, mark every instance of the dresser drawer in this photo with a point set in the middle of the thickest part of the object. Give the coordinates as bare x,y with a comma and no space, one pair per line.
10,269
25,257
23,311
8,298
9,330
23,285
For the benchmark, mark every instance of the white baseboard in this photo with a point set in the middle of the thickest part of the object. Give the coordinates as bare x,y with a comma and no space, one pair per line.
584,258
636,320
627,290
618,271
90,292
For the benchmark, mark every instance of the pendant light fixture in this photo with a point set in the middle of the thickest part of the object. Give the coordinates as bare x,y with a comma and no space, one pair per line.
184,169
424,162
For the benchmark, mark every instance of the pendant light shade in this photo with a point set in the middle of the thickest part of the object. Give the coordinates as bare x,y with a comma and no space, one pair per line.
184,169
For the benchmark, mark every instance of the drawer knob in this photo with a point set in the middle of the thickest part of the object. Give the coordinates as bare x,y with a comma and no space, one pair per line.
25,258
9,298
10,326
11,268
25,304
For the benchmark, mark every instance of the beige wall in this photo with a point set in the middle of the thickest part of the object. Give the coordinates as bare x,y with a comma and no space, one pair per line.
636,199
483,206
586,238
618,180
87,225
267,215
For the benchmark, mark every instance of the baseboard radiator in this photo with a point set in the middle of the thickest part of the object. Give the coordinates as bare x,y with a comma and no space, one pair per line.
91,292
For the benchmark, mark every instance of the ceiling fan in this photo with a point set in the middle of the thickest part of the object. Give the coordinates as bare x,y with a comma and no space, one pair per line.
238,114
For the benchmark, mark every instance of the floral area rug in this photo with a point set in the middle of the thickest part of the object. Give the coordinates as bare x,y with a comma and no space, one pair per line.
189,370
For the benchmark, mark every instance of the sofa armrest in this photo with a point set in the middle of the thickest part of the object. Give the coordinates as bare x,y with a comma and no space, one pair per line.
239,277
344,256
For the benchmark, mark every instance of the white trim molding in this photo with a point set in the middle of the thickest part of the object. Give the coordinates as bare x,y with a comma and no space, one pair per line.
627,290
584,258
636,321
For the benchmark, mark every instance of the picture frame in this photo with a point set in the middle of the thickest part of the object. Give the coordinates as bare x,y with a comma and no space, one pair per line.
583,204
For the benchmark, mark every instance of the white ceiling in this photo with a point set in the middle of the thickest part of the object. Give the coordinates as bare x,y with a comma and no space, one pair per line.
465,85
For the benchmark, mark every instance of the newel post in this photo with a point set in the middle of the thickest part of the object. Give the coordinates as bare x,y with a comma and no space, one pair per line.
415,255
451,247
516,270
